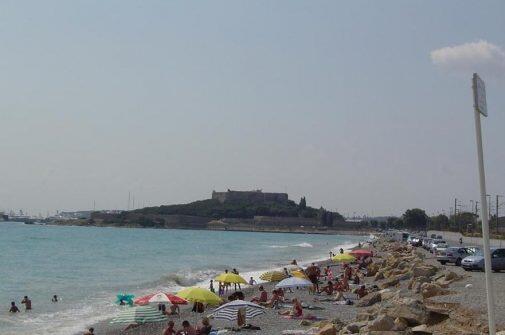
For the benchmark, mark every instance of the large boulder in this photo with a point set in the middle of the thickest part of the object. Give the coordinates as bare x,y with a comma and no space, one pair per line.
369,299
382,323
411,310
328,330
390,282
424,271
429,290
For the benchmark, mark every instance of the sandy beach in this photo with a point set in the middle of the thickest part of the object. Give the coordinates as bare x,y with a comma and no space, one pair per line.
417,294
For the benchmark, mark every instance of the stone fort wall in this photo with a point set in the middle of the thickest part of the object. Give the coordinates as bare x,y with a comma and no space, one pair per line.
249,196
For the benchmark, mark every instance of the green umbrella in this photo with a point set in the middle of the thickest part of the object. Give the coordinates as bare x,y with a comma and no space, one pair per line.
139,315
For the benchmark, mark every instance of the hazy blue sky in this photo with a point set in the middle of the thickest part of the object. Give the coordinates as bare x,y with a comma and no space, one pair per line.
343,102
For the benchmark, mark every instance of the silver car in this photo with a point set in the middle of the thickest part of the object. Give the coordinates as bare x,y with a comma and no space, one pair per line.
435,244
453,255
476,262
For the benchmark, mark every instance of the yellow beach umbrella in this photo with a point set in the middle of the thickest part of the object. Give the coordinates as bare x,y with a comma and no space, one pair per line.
343,258
299,274
230,278
273,276
198,294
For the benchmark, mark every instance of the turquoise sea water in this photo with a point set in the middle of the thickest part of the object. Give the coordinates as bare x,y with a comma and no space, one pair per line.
87,266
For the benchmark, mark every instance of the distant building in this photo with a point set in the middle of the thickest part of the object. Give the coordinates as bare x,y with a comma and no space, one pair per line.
256,196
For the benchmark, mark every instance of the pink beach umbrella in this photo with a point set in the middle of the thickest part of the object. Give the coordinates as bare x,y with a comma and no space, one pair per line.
160,298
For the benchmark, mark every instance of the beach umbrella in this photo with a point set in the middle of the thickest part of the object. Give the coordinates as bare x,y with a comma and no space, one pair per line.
198,294
139,315
299,274
343,258
361,253
230,310
293,282
230,278
161,297
273,276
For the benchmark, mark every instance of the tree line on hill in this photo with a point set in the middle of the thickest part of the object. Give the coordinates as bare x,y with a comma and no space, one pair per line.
242,209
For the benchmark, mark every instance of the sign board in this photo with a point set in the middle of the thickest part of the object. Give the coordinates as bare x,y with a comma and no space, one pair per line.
479,94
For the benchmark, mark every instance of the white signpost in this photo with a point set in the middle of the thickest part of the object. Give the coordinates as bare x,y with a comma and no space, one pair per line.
480,107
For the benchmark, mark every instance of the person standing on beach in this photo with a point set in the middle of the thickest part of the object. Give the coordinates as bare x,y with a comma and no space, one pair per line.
235,271
211,286
341,251
55,298
252,281
14,308
27,302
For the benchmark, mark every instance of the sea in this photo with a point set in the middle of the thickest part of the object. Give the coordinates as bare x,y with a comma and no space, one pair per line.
87,267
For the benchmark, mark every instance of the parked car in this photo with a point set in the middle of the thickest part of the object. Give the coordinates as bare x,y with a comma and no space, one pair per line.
427,243
453,255
439,237
476,262
433,236
435,243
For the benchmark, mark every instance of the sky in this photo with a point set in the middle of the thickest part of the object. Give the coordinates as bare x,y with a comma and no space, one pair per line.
361,106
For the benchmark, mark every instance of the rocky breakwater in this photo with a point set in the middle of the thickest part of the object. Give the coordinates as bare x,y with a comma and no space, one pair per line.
404,298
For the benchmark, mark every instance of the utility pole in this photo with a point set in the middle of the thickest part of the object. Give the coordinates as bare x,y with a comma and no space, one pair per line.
128,208
497,216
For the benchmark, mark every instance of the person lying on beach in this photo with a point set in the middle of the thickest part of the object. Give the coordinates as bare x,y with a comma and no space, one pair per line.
205,328
263,296
296,311
131,326
361,292
187,329
170,329
328,289
14,308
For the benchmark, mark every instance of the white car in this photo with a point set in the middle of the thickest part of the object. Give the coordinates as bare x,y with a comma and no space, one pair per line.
437,243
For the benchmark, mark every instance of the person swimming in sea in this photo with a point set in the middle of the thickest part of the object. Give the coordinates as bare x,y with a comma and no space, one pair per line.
14,308
27,302
55,298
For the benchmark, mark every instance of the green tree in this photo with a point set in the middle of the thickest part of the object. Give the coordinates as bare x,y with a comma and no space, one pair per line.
303,203
415,218
439,222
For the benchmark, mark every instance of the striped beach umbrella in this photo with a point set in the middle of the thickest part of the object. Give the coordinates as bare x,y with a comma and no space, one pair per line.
230,310
292,282
139,315
273,276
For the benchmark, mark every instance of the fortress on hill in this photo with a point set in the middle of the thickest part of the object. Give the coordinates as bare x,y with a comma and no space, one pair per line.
256,196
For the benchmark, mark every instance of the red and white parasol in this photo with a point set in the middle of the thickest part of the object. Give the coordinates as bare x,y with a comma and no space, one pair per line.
160,298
